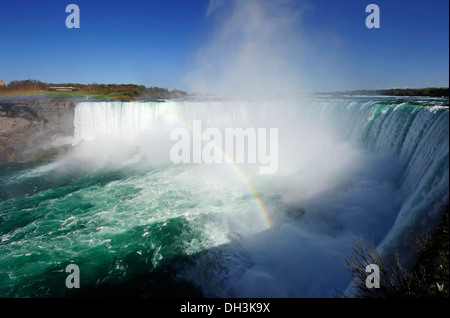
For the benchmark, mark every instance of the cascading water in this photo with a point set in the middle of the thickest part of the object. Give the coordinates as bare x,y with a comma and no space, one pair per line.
118,207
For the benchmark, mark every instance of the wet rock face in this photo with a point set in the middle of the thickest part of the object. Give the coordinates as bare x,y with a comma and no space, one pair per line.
30,128
17,110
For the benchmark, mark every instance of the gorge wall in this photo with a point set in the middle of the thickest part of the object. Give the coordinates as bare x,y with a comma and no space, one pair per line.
31,129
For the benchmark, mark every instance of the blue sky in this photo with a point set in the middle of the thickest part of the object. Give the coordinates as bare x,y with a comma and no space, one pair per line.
156,43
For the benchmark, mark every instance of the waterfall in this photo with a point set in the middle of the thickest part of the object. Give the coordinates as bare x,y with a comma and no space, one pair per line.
416,135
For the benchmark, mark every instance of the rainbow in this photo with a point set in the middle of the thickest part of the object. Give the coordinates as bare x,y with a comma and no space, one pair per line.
264,214
21,96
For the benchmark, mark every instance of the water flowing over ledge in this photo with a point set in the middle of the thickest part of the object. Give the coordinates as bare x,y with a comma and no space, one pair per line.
416,136
118,207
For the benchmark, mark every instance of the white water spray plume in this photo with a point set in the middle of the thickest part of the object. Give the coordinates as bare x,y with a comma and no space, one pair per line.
254,49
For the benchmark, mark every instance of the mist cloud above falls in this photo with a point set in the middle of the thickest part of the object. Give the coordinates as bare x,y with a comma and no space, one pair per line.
254,49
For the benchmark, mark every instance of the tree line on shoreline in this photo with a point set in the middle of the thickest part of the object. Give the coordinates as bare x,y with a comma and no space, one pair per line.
429,92
119,91
133,91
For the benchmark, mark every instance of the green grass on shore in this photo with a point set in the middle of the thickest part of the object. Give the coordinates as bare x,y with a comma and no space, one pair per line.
64,95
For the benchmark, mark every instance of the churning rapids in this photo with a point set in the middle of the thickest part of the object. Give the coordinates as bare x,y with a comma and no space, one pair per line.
116,206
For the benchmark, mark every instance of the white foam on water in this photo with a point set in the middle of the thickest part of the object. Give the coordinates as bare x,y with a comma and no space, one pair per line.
353,167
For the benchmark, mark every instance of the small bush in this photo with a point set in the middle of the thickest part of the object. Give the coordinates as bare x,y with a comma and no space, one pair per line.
395,280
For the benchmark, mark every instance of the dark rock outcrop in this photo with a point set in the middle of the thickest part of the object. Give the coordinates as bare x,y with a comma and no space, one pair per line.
31,128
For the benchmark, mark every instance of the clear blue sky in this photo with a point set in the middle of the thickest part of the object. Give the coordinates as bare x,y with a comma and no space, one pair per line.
154,43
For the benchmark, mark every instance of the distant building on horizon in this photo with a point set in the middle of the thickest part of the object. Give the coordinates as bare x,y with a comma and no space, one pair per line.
63,89
2,84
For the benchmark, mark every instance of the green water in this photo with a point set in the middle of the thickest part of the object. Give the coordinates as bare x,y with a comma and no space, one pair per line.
113,223
347,168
